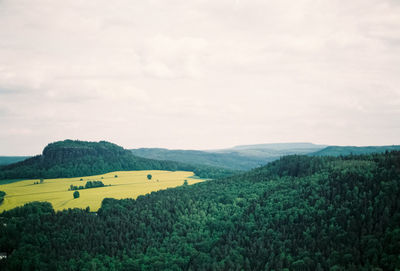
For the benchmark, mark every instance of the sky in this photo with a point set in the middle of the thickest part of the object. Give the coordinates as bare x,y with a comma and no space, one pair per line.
198,74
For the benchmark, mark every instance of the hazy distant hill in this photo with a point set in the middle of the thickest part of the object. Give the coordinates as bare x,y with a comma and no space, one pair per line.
303,146
273,150
6,160
231,160
80,158
346,150
240,157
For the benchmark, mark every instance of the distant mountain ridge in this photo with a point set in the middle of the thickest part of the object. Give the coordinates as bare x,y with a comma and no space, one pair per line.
6,160
73,158
273,151
347,150
281,146
242,157
231,160
246,157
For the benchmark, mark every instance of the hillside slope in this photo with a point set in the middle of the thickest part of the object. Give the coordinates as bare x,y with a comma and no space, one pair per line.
297,213
80,158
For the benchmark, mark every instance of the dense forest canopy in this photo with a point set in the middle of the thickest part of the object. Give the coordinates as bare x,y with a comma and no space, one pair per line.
73,158
297,213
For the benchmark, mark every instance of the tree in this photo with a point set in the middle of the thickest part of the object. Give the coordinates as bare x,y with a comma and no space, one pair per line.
149,177
185,182
41,180
2,195
76,194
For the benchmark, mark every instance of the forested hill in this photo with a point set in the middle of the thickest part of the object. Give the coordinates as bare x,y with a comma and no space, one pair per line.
297,213
80,158
346,150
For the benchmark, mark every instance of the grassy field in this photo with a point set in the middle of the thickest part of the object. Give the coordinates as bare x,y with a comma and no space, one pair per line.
128,184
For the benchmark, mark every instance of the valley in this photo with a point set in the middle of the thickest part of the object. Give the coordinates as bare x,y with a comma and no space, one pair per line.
97,206
199,135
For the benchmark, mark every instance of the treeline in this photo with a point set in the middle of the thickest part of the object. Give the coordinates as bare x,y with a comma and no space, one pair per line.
2,195
70,158
298,213
89,184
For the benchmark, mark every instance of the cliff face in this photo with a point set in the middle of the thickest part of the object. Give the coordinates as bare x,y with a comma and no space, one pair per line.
65,151
70,151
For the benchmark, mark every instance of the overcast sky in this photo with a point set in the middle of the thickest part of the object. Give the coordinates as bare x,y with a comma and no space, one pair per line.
198,74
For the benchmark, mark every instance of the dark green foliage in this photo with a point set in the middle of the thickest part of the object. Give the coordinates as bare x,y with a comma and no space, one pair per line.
149,177
89,184
76,194
93,184
298,213
80,158
2,195
185,182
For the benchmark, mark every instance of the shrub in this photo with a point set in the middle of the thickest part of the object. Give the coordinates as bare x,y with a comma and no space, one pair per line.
76,194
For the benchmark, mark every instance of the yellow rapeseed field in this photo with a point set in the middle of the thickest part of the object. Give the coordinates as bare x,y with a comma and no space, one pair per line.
127,184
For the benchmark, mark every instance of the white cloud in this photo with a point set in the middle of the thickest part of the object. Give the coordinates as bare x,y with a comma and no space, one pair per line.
166,57
198,74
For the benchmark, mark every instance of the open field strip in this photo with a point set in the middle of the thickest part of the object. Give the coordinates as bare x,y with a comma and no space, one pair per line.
128,184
